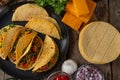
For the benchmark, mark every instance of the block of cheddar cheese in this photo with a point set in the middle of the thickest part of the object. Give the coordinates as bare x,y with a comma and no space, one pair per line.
91,5
72,21
81,7
84,16
77,7
69,8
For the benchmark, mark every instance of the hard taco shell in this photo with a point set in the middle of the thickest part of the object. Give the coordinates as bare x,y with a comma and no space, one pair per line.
48,52
21,44
27,11
27,54
9,40
43,26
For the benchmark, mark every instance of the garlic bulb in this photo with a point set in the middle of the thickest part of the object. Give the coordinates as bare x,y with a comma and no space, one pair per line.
69,66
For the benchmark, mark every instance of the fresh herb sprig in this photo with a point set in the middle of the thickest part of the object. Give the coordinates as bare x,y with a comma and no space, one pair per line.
58,5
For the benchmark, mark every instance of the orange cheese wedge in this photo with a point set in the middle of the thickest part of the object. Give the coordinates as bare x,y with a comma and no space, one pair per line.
91,5
72,21
81,7
69,8
84,16
77,7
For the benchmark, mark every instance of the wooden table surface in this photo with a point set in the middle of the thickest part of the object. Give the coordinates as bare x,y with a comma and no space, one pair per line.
106,10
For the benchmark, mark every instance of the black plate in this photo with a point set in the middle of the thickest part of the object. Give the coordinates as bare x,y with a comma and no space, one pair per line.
9,68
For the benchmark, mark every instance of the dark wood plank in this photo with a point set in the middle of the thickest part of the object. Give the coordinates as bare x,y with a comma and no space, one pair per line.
101,13
102,10
1,75
115,13
116,69
115,20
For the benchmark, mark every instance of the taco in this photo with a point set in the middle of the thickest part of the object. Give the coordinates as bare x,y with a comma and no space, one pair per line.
27,11
49,56
3,33
23,40
43,26
28,59
9,38
50,19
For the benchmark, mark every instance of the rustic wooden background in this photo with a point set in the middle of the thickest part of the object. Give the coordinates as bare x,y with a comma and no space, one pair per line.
106,10
109,11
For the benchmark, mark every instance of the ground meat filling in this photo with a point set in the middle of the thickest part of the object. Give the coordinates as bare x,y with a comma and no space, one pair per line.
12,55
31,56
49,64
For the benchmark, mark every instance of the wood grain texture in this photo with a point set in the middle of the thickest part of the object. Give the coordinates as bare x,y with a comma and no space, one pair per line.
101,14
1,75
102,10
106,10
114,6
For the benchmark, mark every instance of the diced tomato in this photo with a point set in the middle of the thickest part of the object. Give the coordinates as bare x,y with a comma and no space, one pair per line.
64,78
25,65
44,68
2,38
61,77
26,33
58,78
33,58
52,60
34,49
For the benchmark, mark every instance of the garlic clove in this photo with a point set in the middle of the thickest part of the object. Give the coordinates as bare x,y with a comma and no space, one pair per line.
69,66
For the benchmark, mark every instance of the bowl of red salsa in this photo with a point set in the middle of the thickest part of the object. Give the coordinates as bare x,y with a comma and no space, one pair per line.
59,75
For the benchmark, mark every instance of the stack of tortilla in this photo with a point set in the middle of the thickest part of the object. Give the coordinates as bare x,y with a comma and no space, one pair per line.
99,42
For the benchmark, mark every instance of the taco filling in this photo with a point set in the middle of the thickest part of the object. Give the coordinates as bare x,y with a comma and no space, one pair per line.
49,56
49,64
32,54
12,54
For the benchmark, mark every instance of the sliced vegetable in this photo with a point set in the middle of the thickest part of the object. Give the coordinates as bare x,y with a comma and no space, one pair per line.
11,25
5,29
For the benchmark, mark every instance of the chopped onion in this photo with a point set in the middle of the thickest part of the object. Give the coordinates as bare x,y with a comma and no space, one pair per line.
89,72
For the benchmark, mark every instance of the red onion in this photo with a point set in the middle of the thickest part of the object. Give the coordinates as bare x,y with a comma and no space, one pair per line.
89,72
